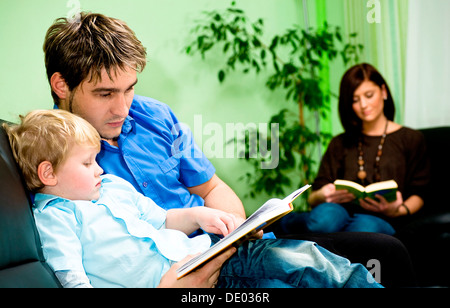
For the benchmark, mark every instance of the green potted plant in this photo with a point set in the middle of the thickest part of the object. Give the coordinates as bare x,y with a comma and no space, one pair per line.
296,59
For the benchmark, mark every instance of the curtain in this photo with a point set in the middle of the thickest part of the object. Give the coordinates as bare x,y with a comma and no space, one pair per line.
382,27
408,43
428,64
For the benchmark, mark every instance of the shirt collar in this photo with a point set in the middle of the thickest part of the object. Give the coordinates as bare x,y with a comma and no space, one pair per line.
128,125
43,200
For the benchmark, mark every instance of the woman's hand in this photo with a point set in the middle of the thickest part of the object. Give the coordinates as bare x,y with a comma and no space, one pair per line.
390,209
205,277
331,194
328,193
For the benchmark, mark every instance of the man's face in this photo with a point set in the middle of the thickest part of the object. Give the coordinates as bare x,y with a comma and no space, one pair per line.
104,103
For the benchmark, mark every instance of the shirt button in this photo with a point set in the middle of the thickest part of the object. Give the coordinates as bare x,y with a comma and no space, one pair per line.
145,184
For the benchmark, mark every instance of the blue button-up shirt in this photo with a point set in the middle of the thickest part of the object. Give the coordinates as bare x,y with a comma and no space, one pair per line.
157,155
119,240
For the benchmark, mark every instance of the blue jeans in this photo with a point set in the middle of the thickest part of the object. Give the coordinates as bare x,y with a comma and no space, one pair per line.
283,263
332,217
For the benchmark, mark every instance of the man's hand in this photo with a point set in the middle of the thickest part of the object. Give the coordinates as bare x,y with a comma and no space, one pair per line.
205,277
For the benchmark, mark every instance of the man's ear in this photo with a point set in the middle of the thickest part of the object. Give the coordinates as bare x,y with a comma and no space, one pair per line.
46,174
59,86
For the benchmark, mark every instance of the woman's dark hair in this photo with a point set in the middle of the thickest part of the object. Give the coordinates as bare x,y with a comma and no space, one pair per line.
351,80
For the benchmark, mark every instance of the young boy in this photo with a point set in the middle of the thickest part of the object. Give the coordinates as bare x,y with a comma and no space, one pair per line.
97,230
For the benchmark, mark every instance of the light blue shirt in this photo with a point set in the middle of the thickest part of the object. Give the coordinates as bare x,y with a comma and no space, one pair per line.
119,240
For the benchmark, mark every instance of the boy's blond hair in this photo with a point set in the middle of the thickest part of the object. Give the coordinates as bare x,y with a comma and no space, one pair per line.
47,135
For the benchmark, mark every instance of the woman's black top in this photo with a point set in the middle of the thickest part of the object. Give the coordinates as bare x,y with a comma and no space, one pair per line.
404,159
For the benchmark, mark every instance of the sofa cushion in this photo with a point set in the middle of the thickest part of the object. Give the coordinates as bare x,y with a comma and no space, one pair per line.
438,146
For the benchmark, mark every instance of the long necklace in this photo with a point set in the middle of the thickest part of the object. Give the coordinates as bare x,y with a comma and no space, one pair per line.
362,174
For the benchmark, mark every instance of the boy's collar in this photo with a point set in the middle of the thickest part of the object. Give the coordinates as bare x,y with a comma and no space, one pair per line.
42,200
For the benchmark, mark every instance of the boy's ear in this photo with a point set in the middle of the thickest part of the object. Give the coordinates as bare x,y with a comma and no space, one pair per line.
59,86
46,174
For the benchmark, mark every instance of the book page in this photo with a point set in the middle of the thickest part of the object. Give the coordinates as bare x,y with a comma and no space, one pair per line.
391,184
349,184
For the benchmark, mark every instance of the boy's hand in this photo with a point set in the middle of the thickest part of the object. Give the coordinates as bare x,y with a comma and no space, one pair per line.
215,221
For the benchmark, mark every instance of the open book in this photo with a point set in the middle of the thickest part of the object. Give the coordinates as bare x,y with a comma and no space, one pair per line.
269,212
387,189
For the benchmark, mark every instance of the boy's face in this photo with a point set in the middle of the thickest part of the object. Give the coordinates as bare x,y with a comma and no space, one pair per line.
104,103
78,176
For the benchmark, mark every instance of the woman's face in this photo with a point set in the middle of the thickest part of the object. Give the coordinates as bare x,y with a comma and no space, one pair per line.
368,101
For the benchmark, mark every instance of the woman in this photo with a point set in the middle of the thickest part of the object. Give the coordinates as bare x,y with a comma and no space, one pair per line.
373,148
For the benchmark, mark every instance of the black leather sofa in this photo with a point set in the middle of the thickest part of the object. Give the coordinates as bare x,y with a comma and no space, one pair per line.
21,261
427,235
22,264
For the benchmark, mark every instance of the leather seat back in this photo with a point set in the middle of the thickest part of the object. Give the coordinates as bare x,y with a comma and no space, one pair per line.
21,260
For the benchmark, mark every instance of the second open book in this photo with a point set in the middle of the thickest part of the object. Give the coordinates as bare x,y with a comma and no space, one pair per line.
387,189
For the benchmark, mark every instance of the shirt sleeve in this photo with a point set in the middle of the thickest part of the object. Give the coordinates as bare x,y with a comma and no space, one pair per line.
184,153
195,167
73,279
148,209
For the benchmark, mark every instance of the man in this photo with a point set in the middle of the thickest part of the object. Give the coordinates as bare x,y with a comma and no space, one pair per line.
103,94
92,65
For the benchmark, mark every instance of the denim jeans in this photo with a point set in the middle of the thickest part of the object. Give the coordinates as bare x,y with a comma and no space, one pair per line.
283,263
332,217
